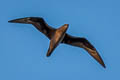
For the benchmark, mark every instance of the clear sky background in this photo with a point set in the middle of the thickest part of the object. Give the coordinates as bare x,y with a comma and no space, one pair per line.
23,48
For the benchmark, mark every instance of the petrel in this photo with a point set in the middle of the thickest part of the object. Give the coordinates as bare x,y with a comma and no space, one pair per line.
59,35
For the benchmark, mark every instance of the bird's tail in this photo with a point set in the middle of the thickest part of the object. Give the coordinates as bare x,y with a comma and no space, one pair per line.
57,38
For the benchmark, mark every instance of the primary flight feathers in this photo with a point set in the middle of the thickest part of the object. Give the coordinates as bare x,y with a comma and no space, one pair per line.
59,35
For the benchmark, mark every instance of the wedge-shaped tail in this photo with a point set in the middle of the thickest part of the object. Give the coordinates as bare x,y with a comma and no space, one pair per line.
57,38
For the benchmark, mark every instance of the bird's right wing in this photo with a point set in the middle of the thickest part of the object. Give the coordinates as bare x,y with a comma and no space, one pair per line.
85,44
43,27
39,23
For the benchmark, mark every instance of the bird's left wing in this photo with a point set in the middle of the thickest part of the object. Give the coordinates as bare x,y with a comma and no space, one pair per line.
85,44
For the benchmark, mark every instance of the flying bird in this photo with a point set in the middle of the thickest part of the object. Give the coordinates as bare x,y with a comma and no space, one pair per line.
58,36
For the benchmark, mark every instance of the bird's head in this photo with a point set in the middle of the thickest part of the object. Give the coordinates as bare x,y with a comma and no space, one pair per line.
27,20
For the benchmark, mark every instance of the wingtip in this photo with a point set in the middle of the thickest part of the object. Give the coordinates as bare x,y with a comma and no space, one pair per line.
9,21
12,21
103,65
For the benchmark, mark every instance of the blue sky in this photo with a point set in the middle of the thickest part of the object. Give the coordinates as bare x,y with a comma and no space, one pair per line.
23,48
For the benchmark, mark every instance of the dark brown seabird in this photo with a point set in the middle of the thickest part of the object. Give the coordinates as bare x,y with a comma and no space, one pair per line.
59,35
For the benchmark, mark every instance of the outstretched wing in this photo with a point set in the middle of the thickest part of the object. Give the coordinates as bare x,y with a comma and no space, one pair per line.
39,23
83,43
43,27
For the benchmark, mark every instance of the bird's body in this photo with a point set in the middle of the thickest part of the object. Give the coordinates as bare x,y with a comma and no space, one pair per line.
59,35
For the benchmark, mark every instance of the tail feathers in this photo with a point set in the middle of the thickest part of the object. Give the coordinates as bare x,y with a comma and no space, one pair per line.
57,38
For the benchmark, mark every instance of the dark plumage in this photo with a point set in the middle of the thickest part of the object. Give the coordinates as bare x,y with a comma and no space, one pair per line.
60,36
